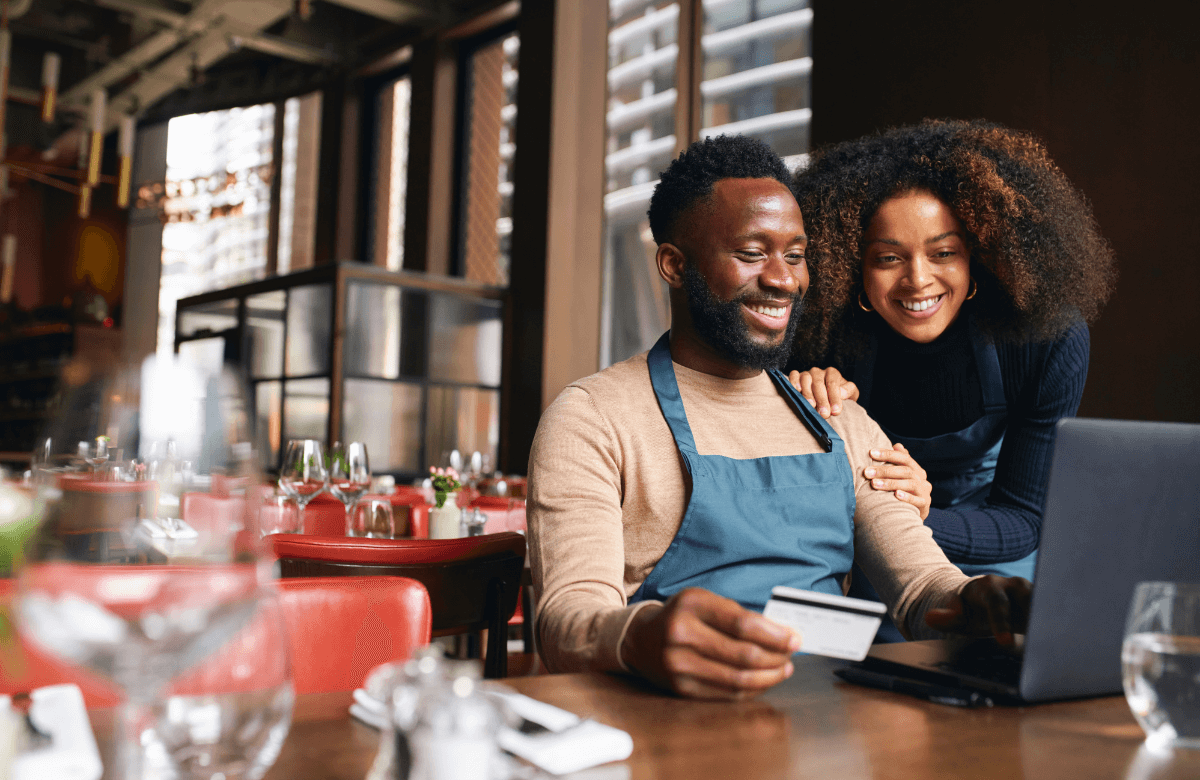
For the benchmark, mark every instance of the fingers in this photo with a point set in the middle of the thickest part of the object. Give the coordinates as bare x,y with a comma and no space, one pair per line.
709,646
997,615
988,604
730,619
820,391
698,676
803,382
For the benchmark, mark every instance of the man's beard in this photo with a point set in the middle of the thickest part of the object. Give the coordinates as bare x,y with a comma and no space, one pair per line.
721,324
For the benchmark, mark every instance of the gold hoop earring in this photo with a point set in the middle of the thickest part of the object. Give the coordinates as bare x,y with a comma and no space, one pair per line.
862,305
974,288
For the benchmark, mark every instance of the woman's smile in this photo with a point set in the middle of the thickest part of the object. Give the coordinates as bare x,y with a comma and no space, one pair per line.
922,307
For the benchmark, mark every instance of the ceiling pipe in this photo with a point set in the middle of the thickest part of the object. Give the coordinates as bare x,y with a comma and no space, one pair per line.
18,8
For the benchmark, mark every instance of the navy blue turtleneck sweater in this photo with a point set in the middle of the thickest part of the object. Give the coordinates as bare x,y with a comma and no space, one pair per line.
923,390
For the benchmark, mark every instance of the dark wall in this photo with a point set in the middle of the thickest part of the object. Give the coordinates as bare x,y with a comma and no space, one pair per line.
1114,92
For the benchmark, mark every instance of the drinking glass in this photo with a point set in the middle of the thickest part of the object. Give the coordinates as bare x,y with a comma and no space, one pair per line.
303,475
175,636
95,455
349,476
279,515
1160,662
372,518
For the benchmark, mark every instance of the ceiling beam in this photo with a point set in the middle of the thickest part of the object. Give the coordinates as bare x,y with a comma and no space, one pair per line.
394,11
285,49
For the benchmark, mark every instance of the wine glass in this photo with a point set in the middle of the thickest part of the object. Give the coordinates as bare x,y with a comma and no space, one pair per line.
303,475
349,476
170,622
95,455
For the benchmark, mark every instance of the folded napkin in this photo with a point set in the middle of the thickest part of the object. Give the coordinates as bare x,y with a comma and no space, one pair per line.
369,710
552,739
58,710
155,529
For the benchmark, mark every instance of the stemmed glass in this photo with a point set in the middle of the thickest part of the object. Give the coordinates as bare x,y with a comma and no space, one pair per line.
349,476
194,635
96,455
303,475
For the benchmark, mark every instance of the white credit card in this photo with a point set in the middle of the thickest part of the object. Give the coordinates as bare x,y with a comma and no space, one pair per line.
836,626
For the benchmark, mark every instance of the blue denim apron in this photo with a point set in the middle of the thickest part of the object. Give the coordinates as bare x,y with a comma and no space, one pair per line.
961,465
756,523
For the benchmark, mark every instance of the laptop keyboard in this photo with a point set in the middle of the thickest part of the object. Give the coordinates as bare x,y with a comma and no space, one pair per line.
986,660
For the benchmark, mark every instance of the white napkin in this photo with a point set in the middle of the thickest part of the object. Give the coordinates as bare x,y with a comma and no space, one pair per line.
58,710
368,709
156,530
570,743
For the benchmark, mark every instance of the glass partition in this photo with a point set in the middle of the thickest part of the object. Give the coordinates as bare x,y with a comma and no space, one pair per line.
372,330
264,324
412,367
214,317
309,319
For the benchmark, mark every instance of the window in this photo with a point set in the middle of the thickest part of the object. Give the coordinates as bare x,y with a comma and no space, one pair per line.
216,207
487,144
391,174
752,78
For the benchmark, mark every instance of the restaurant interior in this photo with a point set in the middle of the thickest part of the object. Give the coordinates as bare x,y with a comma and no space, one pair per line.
408,225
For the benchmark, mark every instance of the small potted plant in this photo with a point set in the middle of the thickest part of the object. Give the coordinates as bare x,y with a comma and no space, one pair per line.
444,516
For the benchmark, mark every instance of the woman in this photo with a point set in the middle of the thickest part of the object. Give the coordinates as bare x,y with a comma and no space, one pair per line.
956,268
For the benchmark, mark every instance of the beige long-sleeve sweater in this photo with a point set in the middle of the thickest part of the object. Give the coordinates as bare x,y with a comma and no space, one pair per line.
608,491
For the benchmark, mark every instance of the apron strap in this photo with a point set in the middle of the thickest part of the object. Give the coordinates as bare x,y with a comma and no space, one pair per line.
813,421
666,389
987,363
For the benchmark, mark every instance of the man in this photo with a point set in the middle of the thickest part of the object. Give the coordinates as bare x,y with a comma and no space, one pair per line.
670,492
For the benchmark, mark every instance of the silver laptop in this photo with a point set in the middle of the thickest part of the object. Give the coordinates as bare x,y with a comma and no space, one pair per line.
1122,506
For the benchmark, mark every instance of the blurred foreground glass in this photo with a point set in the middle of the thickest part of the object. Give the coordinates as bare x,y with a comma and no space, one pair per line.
349,475
167,617
1160,662
279,515
372,518
303,475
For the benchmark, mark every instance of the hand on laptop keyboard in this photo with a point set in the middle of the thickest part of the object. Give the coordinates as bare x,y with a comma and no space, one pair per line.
993,605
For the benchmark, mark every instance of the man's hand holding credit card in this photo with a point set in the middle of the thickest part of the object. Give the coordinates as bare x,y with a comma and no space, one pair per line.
834,626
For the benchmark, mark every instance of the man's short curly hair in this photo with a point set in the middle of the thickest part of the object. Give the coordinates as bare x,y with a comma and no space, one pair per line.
690,177
1036,252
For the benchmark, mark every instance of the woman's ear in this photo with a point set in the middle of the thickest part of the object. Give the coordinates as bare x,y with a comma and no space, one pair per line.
670,262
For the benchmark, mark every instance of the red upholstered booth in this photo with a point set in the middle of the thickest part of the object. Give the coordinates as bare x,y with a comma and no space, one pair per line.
338,630
473,583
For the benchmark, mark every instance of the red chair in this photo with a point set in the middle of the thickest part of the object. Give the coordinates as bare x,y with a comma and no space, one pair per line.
338,630
326,516
211,512
473,583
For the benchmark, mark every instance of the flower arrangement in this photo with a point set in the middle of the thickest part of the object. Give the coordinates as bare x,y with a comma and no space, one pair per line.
445,481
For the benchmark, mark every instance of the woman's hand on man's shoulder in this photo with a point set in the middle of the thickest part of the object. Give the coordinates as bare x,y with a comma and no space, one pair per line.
825,389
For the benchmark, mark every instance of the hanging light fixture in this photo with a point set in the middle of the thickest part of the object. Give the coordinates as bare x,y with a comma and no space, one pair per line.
94,141
125,151
51,63
5,58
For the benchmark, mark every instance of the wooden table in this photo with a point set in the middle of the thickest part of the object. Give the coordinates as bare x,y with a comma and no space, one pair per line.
813,725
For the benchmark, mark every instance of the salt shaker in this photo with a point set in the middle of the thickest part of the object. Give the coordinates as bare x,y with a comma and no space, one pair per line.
454,737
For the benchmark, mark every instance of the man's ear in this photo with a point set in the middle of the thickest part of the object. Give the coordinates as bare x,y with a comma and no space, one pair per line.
670,262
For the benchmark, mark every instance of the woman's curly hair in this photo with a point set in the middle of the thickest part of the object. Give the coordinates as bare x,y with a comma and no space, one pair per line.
1036,253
